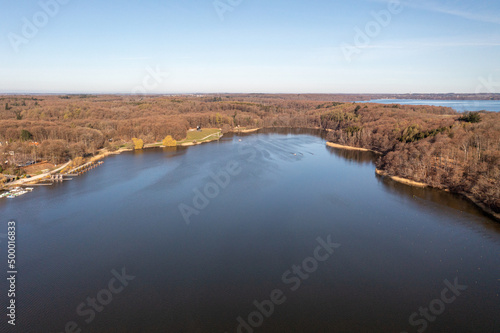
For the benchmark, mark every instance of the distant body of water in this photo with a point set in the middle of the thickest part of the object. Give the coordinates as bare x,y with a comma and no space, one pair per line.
460,106
272,215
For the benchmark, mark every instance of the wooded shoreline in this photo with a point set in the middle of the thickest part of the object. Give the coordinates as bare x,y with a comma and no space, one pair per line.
105,153
488,211
410,182
428,144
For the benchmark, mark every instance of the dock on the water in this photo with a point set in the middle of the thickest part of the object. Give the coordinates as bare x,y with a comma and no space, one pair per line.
83,168
19,188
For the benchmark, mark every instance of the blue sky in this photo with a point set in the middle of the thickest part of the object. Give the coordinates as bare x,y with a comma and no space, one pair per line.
253,46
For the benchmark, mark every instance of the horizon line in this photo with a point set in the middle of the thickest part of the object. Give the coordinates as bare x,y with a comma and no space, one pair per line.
243,93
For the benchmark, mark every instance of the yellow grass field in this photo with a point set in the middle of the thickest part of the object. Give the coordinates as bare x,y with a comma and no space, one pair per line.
206,134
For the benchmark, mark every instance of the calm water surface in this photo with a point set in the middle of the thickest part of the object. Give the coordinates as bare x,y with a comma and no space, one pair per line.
460,106
396,245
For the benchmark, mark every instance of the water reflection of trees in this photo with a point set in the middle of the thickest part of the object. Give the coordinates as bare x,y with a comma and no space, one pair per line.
442,203
439,201
169,152
363,157
285,131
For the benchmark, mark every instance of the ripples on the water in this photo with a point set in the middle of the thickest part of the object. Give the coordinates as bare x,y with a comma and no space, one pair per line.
398,243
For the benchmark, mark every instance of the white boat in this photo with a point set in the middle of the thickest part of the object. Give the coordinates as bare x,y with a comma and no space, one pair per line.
18,191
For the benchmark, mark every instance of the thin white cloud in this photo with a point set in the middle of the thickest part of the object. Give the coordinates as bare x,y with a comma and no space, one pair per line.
454,11
421,45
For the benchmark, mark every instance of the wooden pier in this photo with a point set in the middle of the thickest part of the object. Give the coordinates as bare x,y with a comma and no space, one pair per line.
84,168
60,177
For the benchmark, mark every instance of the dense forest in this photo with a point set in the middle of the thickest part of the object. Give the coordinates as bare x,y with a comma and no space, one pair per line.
435,145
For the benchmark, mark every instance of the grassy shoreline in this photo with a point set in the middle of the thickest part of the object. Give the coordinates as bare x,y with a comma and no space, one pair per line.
194,137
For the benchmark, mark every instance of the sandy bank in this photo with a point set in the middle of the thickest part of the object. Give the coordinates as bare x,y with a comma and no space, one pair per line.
187,144
400,180
103,153
247,130
336,145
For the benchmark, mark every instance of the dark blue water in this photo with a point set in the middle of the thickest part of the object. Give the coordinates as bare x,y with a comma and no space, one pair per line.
460,106
271,201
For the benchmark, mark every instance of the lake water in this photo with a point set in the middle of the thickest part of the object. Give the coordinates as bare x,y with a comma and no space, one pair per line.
276,201
460,106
